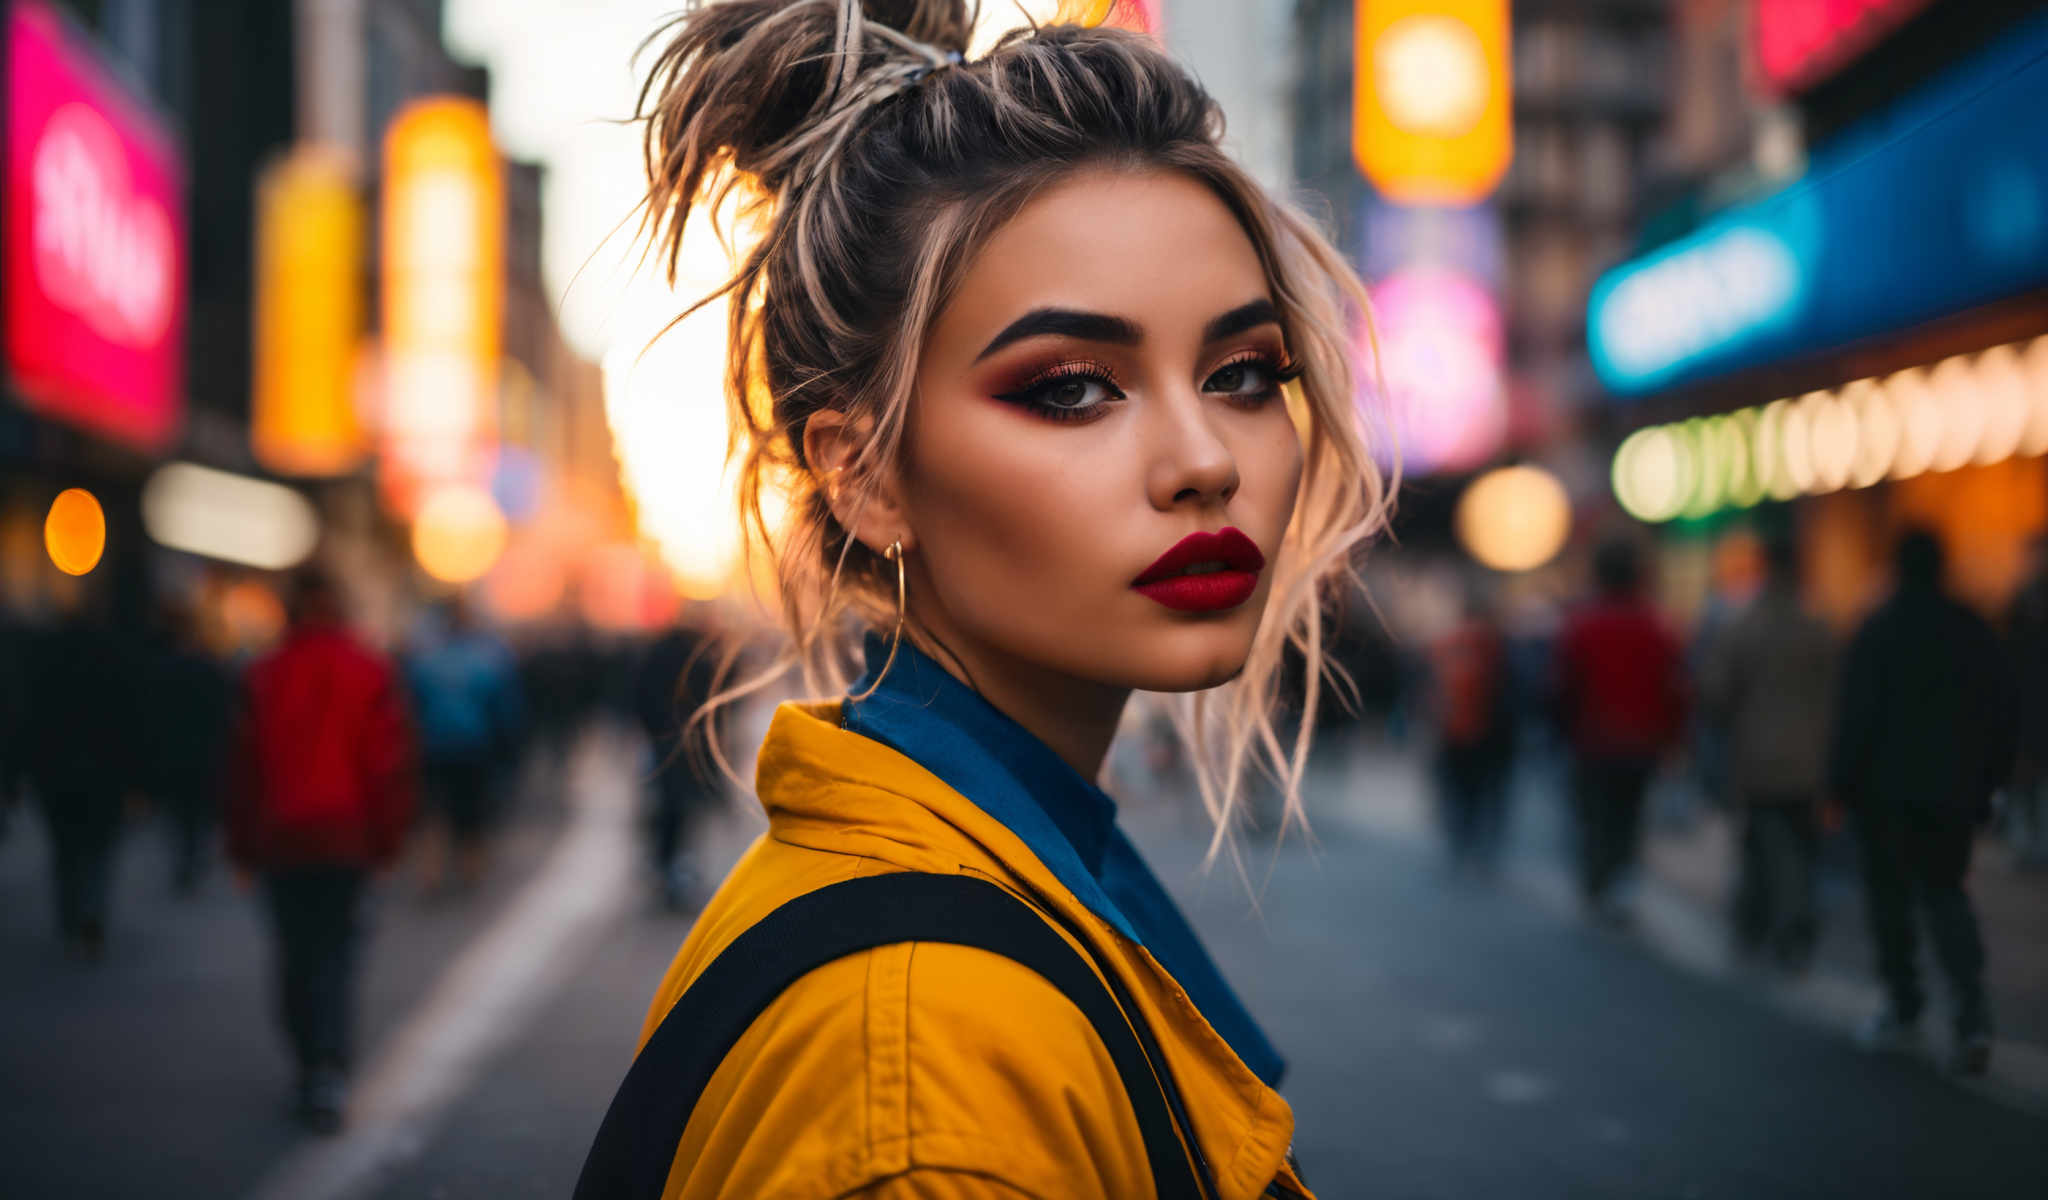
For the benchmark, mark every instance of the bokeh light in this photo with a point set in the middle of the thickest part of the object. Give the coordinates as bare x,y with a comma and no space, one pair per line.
1919,422
1767,451
1697,443
1515,518
528,581
2002,392
1877,431
1831,430
2034,370
230,517
458,533
1969,409
1745,482
75,531
1651,474
1962,415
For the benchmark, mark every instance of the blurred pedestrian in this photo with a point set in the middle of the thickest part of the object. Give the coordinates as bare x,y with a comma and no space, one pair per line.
2027,643
16,660
187,726
1767,691
321,792
1621,700
1475,733
1926,731
80,752
676,676
465,691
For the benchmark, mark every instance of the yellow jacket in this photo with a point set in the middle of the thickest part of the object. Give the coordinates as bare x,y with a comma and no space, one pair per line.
931,1070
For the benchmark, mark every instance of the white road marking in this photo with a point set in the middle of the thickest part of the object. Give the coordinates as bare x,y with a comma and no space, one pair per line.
1449,1033
1517,1087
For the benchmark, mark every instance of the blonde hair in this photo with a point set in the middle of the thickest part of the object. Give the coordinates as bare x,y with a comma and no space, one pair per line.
872,162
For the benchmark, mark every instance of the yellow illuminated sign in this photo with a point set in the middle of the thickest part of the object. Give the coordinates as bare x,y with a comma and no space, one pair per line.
443,294
309,317
1430,99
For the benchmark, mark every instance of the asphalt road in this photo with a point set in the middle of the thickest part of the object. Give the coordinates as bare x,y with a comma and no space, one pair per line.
1446,1039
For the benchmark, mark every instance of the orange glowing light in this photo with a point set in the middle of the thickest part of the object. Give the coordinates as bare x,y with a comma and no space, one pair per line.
1430,103
308,317
458,533
622,592
528,582
75,532
1514,518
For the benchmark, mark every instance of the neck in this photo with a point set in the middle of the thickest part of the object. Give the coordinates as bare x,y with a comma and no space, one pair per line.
1076,718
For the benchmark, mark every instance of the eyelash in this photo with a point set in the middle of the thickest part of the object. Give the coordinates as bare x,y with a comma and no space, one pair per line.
1028,394
1282,370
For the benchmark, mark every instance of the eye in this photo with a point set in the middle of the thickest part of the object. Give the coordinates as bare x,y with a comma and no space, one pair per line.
1251,380
1069,392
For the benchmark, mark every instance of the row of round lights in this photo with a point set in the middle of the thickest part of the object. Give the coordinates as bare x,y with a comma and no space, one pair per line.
1965,410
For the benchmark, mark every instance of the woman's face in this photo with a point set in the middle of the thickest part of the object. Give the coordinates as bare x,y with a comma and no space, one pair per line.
1104,388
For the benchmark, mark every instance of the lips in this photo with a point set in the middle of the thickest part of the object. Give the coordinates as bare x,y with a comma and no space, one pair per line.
1204,572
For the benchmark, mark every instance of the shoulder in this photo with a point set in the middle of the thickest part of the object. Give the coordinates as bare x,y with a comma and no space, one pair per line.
925,1058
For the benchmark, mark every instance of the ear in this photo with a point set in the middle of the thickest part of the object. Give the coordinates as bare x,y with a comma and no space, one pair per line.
872,509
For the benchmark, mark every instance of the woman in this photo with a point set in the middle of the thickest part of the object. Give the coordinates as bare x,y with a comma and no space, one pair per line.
1060,401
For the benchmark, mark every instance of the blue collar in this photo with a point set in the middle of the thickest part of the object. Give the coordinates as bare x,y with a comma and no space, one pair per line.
923,712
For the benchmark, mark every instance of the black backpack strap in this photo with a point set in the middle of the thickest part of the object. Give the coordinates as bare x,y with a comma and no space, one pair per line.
636,1146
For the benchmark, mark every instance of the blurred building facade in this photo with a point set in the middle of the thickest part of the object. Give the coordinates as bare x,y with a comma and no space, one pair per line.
1834,319
1585,88
263,112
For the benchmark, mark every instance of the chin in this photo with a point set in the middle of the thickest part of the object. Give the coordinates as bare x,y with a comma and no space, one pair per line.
1193,656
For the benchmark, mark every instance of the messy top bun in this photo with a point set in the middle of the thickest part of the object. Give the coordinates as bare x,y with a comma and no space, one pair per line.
872,162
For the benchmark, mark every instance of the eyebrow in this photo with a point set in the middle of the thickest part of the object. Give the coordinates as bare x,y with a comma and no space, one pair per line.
1065,322
1237,320
1118,331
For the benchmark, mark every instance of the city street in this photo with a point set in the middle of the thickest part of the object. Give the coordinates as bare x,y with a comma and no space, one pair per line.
1445,1038
433,431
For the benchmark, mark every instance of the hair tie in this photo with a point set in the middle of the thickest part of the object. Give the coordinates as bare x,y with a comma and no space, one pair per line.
952,58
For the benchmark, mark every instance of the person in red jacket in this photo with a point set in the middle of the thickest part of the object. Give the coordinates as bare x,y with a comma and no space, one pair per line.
321,795
1621,700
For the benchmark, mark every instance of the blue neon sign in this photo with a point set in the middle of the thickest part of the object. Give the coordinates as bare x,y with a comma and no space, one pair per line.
1935,205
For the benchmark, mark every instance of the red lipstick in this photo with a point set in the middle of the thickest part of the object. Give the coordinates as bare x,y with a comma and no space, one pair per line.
1204,572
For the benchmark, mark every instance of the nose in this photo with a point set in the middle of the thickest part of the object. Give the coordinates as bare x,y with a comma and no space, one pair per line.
1190,463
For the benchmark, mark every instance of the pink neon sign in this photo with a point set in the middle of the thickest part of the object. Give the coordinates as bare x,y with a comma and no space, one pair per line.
1440,351
1798,43
95,242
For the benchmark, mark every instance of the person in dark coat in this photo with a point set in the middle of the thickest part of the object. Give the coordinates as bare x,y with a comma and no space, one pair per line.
80,753
191,714
675,677
1926,729
1475,734
2026,639
1767,689
466,699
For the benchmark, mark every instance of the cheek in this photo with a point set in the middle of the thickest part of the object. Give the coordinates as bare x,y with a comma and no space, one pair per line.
1270,463
1006,511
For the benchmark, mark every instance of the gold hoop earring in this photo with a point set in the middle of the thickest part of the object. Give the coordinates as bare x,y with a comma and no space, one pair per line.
894,554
